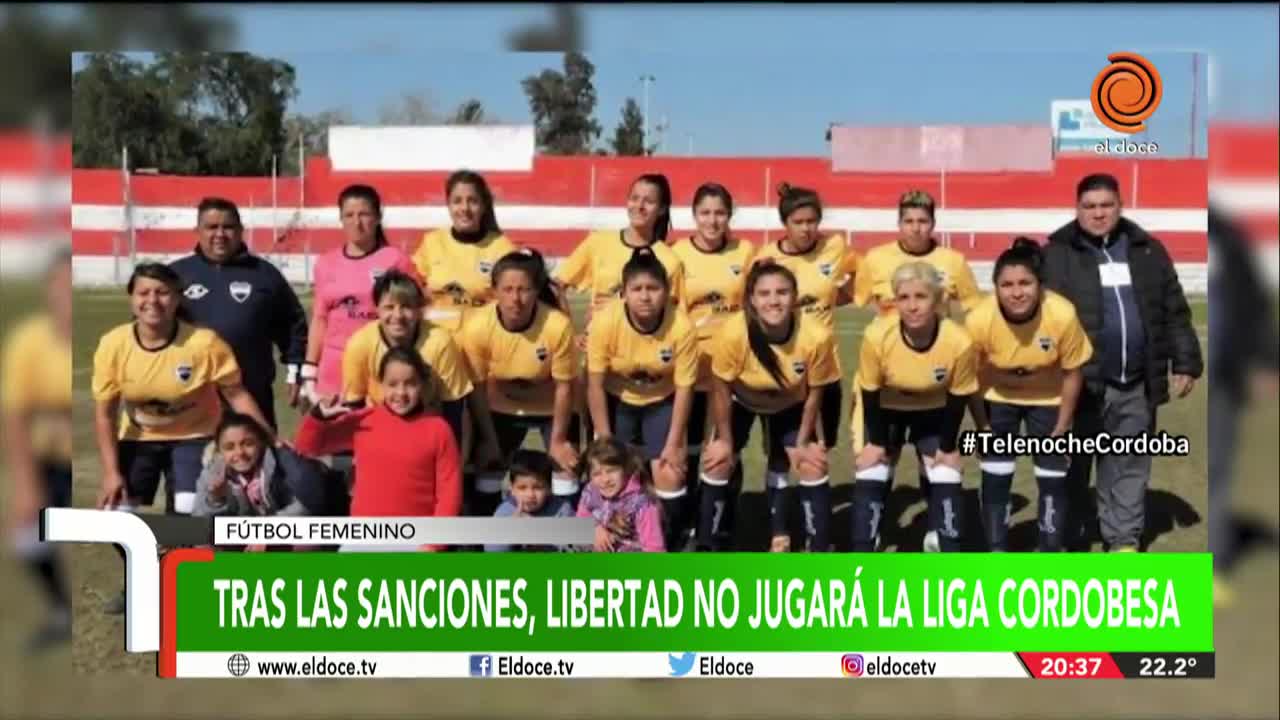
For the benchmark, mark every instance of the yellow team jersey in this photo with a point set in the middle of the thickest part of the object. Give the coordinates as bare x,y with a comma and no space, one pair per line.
910,379
714,283
1024,362
170,393
821,273
457,273
367,346
642,368
807,359
523,364
875,276
595,267
37,386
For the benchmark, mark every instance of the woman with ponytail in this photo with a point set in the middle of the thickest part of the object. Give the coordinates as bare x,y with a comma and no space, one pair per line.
642,364
595,267
824,267
520,352
1030,347
457,261
773,362
715,264
343,289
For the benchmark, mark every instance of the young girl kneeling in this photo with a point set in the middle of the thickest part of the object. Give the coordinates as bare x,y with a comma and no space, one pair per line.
620,497
245,475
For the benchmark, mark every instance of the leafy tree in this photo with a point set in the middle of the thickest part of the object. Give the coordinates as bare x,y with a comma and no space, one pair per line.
469,112
192,113
313,132
562,103
628,136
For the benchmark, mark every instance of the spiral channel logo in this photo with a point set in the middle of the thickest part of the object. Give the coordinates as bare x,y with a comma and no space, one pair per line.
851,665
1126,92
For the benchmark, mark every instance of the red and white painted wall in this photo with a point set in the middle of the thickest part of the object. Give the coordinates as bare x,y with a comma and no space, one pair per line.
554,204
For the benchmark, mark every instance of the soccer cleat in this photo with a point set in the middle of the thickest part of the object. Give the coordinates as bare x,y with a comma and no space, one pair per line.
1125,549
931,544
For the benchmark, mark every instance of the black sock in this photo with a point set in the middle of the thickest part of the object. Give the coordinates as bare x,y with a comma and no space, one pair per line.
49,570
868,512
713,516
934,520
1051,513
815,501
947,501
675,521
995,509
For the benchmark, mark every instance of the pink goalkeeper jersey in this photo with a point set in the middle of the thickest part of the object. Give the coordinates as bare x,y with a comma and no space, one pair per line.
344,289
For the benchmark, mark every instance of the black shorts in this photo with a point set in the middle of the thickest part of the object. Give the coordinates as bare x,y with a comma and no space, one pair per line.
642,426
513,429
452,410
780,431
144,462
921,428
1039,420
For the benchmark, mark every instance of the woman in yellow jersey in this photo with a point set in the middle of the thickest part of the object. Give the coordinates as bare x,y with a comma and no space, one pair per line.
824,266
916,223
521,356
37,419
456,261
400,302
1031,347
771,362
595,267
916,373
642,364
715,272
158,386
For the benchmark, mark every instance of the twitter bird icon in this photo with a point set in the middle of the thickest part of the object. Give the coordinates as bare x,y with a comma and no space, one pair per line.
681,664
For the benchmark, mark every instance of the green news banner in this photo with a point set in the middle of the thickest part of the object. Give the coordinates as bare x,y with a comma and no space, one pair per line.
701,602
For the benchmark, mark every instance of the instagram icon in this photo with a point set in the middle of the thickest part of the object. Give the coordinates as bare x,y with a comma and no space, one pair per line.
851,665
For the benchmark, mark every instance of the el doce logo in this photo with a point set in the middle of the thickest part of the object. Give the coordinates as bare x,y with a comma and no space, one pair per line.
1126,92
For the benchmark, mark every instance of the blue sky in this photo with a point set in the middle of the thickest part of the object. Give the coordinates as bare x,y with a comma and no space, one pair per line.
766,80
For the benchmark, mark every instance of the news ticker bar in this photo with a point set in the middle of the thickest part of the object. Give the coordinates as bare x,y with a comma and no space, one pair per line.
650,665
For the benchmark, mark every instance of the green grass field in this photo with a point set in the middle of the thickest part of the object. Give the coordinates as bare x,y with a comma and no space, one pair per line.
1176,521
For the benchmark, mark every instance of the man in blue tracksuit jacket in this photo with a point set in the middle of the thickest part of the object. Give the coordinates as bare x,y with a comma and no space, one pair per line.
245,299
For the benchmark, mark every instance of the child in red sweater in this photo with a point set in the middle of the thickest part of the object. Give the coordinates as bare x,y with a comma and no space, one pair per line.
408,457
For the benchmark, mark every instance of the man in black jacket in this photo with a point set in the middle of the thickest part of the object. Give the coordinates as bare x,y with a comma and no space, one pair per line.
245,299
1128,298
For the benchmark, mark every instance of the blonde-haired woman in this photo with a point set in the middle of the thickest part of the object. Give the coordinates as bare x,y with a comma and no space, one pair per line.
917,370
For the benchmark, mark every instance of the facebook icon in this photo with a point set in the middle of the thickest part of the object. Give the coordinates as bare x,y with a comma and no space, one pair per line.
481,666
